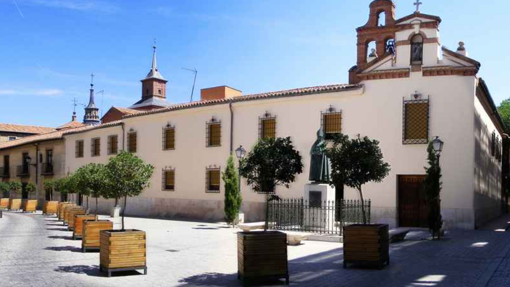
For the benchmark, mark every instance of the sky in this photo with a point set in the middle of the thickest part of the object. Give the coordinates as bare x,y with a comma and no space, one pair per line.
49,48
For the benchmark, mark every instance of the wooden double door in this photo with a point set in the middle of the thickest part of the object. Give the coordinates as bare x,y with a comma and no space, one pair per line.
412,202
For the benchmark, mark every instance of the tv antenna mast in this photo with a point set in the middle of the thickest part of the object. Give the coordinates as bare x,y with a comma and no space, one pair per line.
194,81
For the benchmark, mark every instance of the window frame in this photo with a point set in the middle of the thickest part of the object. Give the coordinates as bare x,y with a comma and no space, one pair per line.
417,63
129,141
109,148
167,128
79,149
95,150
164,178
331,111
208,185
405,104
262,119
208,139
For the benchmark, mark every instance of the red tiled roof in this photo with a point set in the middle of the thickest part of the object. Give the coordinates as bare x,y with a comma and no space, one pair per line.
25,129
127,111
261,96
71,125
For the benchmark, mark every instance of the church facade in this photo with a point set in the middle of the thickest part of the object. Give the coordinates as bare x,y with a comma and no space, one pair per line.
407,91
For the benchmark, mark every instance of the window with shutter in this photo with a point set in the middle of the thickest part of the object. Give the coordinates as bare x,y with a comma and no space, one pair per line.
267,127
132,138
416,122
79,149
213,180
168,138
331,124
169,180
96,147
214,134
113,144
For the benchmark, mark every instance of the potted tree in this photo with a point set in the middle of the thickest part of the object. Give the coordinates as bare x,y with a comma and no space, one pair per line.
93,181
127,175
15,188
233,198
4,191
356,162
62,187
272,162
30,205
50,207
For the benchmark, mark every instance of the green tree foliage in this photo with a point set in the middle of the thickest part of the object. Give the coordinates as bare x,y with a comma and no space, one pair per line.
30,188
60,186
91,181
272,162
233,198
49,187
127,175
15,186
356,162
433,187
504,112
4,188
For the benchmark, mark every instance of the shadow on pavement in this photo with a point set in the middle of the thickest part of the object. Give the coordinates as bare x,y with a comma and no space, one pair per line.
64,248
81,269
54,224
61,237
57,229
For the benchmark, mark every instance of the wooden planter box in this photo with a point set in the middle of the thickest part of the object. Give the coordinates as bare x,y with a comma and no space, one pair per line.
67,212
30,205
78,224
91,234
262,255
62,208
4,203
72,216
50,207
15,204
123,250
367,245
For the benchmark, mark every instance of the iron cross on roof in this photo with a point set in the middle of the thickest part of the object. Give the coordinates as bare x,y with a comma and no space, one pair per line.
417,4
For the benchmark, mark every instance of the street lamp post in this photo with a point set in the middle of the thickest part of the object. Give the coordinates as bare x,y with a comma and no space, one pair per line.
437,144
240,154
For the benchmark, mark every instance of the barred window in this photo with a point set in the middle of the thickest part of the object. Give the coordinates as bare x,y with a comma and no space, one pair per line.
331,124
213,134
95,149
79,149
416,122
168,138
267,127
169,180
113,144
132,138
213,180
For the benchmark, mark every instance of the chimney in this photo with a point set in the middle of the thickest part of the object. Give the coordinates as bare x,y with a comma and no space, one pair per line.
219,93
462,50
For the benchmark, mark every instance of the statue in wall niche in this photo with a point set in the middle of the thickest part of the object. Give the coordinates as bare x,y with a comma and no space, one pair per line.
320,165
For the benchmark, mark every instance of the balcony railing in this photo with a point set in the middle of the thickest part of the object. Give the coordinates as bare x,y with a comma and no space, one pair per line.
47,168
5,172
23,171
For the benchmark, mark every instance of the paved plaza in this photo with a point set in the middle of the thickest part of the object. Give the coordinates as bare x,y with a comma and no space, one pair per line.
38,251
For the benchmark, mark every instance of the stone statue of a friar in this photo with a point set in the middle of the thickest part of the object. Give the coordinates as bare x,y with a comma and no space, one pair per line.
320,165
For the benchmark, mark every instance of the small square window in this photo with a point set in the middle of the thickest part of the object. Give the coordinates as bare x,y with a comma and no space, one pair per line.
213,180
267,127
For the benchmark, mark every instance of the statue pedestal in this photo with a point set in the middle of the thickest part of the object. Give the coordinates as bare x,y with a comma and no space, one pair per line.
319,211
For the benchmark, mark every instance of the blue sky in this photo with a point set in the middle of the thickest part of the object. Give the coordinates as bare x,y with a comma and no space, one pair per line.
49,48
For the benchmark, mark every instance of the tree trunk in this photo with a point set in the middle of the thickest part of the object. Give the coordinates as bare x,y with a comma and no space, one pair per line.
96,207
266,225
362,206
124,212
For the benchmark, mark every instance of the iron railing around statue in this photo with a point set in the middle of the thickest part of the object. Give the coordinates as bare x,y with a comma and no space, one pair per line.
327,217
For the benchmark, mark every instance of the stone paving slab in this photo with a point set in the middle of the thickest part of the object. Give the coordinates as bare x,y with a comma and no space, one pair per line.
38,251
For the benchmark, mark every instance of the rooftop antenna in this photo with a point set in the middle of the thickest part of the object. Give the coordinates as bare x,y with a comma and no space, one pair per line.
194,81
102,101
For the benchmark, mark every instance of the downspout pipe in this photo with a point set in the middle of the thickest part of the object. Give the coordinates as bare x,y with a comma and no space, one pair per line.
123,135
231,127
36,171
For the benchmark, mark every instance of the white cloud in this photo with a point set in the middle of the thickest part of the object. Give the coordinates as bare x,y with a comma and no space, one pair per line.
78,5
32,92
